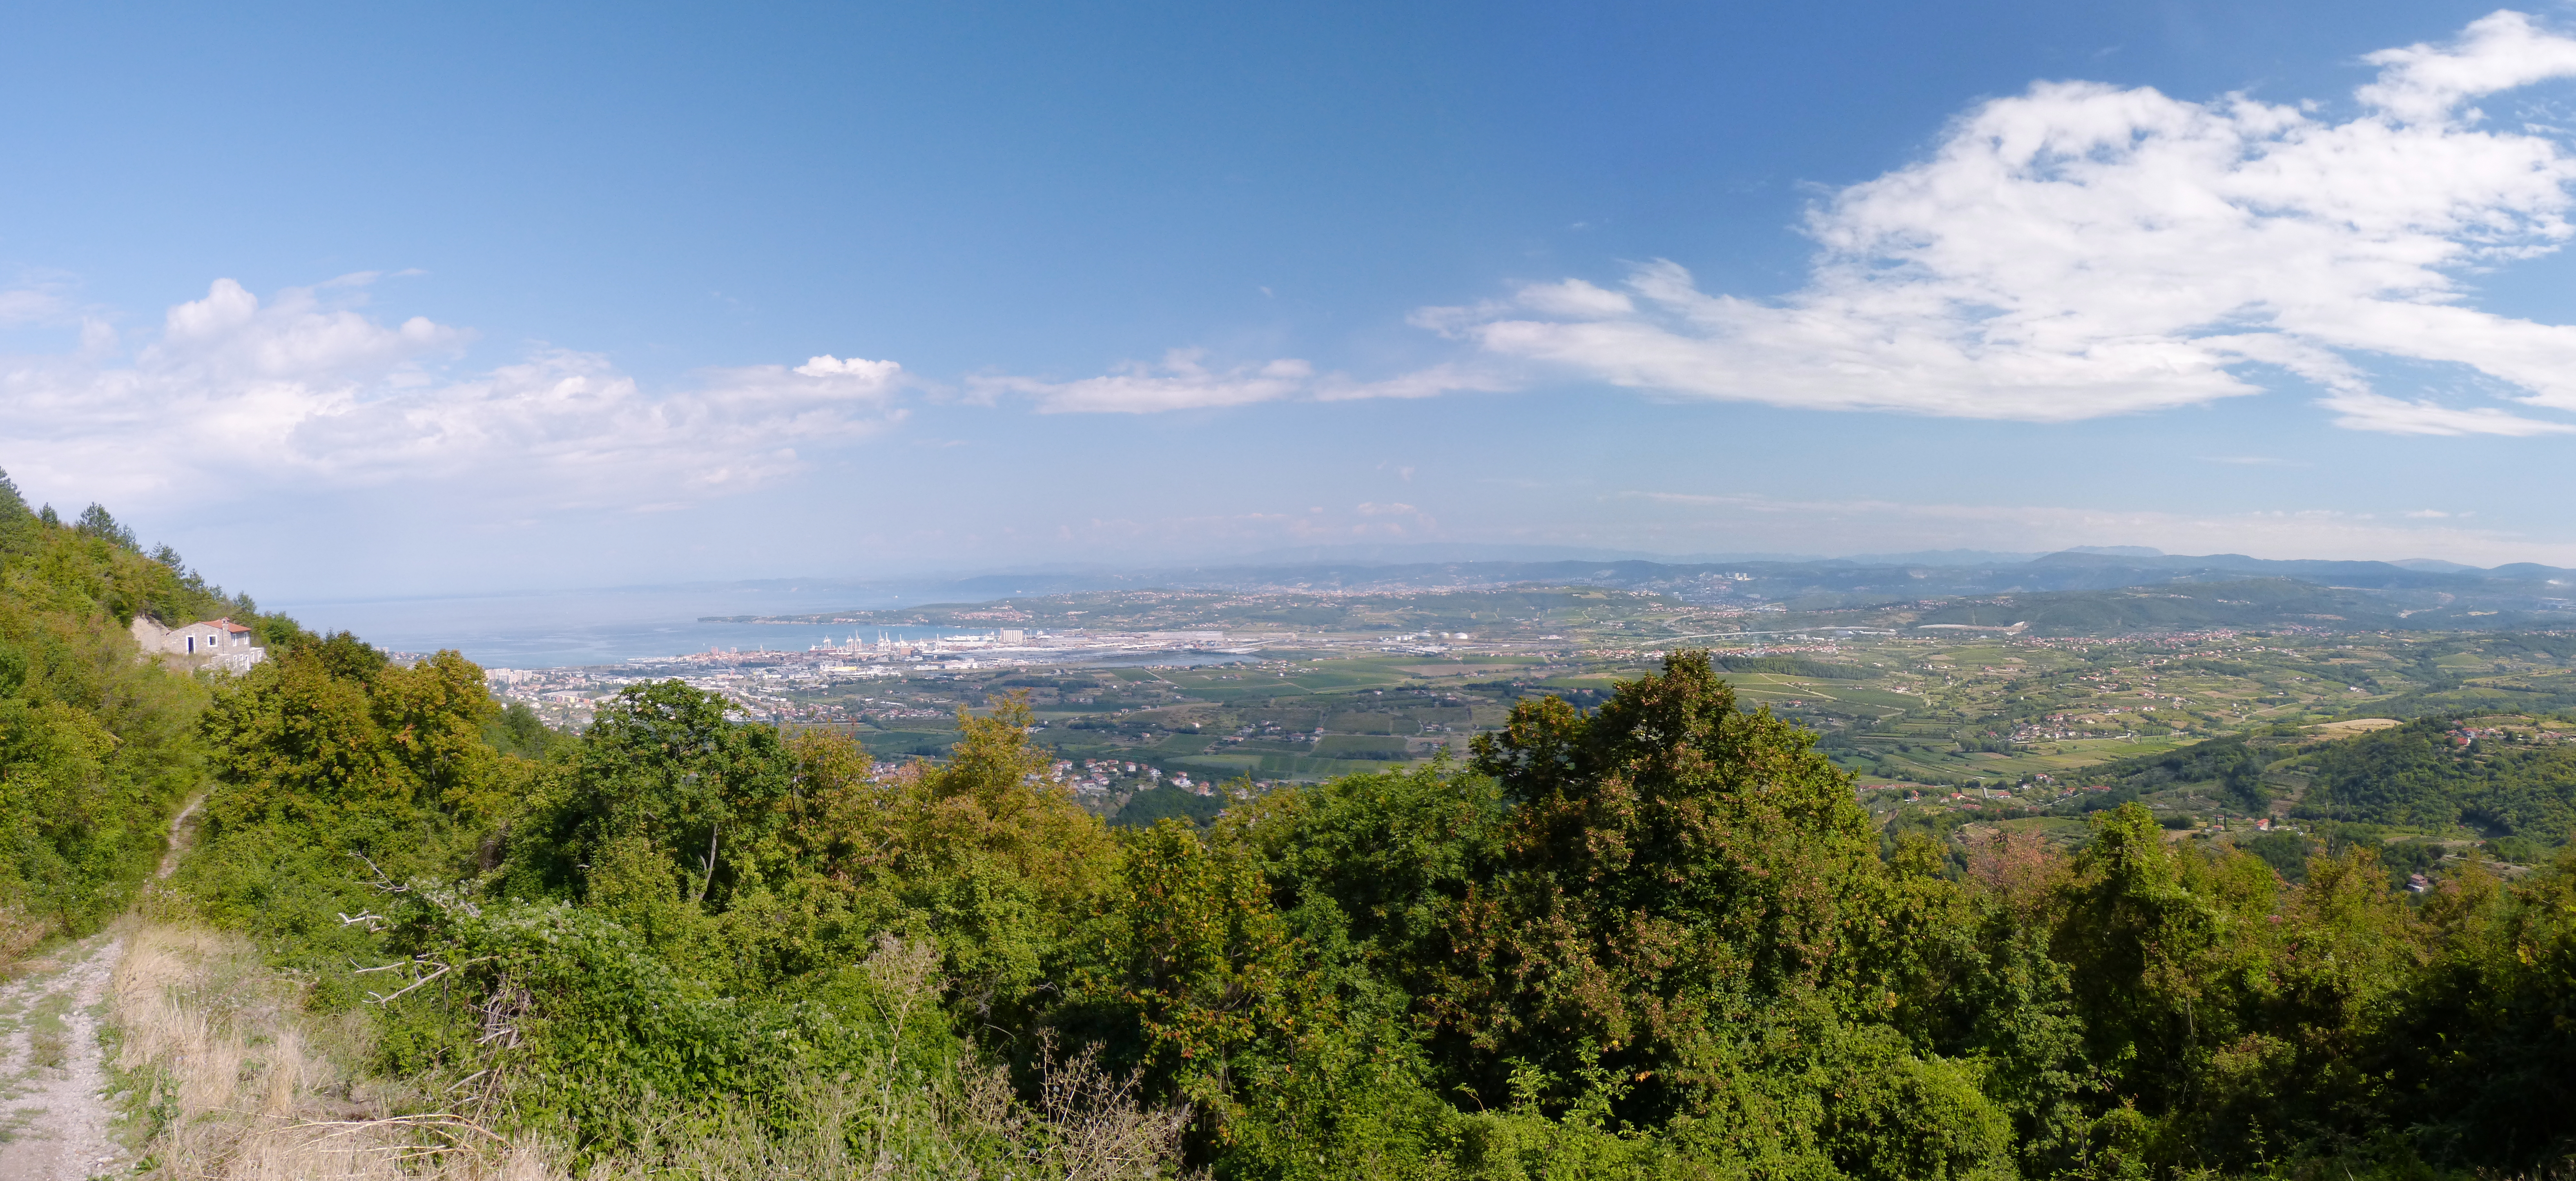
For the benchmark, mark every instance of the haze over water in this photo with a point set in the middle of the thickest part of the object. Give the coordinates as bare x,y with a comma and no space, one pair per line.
557,629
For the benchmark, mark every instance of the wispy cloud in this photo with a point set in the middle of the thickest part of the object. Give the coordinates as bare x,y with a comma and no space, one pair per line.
2082,250
236,394
34,300
1183,380
2364,411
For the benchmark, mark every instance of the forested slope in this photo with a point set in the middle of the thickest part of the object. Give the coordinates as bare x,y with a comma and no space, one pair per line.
97,746
2420,774
2431,773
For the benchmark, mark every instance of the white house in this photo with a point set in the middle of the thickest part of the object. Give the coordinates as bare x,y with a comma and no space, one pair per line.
221,643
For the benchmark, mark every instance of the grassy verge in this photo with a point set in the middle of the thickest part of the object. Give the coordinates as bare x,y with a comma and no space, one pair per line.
48,1034
225,1074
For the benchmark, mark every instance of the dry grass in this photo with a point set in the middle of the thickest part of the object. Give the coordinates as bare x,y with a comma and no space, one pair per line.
20,932
238,1083
242,1084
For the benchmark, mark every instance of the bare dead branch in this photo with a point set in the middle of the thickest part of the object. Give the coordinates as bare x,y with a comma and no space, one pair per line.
443,969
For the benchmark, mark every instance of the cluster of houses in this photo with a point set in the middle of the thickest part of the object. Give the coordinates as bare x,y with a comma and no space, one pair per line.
210,643
2467,735
1101,776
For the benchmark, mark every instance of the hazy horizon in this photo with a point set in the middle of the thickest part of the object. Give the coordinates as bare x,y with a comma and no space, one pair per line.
926,576
566,626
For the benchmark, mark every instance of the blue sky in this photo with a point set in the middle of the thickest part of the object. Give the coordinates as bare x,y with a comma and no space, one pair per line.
405,300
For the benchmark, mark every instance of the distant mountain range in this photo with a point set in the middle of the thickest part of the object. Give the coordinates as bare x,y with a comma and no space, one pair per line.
1954,571
2089,590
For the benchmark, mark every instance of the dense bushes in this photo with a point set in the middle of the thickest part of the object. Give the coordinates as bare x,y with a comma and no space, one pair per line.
334,769
1658,939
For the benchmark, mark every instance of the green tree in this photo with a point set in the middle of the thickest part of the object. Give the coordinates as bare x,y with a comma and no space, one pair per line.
1193,958
338,776
667,812
1671,865
2483,1053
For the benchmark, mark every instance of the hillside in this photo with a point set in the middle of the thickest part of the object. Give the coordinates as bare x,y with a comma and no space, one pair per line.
97,746
2501,776
2178,607
2503,781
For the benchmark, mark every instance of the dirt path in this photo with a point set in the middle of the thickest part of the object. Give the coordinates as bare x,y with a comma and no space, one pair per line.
180,836
56,1124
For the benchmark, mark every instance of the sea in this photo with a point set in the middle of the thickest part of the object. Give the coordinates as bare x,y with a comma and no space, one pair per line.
575,629
565,629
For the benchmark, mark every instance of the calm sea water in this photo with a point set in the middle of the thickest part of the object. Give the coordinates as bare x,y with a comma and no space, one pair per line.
573,628
568,628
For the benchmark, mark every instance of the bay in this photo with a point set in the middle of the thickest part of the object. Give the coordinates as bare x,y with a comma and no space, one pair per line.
563,629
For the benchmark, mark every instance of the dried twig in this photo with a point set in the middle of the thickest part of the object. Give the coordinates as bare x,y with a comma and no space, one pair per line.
383,883
426,1119
443,969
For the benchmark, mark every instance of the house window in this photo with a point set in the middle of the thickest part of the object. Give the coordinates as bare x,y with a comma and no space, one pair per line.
192,645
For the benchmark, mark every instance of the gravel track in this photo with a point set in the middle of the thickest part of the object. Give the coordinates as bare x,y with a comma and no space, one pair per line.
57,1119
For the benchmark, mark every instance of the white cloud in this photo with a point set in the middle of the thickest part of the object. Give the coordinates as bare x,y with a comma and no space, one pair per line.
2500,51
1421,383
230,336
2364,411
830,366
1183,381
2082,250
237,394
